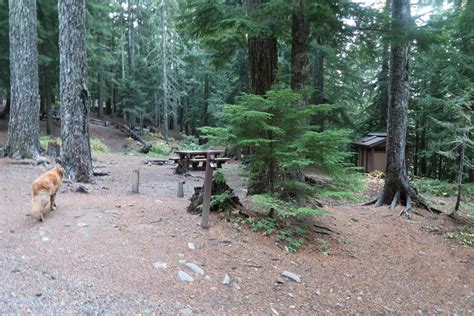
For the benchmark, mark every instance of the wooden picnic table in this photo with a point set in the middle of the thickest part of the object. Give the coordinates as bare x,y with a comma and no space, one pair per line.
194,158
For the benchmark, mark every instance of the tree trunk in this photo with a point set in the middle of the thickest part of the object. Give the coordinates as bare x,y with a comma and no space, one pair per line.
23,127
396,179
122,53
299,48
205,119
417,150
130,37
262,56
462,150
318,84
76,153
263,62
49,110
100,82
164,71
423,163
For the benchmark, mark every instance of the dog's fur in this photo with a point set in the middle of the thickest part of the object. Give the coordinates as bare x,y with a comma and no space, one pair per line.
43,191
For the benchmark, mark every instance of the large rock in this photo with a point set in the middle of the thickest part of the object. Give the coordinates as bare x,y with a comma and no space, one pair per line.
183,276
195,268
291,276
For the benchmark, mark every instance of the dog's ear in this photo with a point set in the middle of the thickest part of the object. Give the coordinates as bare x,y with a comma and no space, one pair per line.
60,171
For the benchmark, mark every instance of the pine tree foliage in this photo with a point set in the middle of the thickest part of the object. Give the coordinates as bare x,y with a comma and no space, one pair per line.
270,128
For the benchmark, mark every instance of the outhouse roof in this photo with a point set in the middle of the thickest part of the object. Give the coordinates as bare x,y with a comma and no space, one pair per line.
371,140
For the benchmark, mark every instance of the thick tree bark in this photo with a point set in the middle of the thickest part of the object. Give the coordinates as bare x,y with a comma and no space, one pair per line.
23,128
262,56
299,47
76,153
263,62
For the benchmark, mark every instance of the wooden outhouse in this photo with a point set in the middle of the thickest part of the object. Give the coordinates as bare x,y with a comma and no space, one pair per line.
371,152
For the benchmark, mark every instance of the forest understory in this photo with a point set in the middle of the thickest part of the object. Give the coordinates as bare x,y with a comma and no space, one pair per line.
112,251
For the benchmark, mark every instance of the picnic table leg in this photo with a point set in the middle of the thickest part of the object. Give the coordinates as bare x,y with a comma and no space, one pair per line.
187,163
183,165
206,199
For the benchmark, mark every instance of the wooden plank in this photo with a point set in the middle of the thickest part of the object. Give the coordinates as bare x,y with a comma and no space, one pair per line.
198,160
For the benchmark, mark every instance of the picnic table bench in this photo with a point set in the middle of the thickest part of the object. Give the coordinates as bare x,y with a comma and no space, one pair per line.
194,158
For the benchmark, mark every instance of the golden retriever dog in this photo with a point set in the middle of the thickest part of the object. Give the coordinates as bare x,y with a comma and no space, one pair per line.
43,191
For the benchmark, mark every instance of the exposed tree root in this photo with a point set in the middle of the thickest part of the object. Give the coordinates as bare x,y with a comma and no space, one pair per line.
396,197
371,202
406,211
409,196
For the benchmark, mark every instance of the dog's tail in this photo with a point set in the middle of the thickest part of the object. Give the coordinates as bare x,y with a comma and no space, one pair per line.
40,201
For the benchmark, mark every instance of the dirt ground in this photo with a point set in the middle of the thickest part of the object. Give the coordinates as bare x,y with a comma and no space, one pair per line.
110,251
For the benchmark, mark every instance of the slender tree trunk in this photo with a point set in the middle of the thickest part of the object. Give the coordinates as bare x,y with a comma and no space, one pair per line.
417,150
423,163
100,82
396,180
49,110
122,53
164,71
156,107
462,150
76,153
112,98
205,119
23,127
131,43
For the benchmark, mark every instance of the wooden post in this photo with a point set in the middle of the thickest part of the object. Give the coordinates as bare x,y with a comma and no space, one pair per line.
206,199
135,181
180,189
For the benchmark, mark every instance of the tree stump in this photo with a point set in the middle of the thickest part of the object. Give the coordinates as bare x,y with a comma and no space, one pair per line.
229,204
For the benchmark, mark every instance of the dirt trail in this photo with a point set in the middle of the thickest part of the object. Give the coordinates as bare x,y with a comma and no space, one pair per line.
103,252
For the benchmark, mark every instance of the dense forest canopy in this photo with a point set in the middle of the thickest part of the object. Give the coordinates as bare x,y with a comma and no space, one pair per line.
175,64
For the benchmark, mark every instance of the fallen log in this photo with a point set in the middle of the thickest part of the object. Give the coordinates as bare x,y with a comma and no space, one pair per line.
99,122
131,133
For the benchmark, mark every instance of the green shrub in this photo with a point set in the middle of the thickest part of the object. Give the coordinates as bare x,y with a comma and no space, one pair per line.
434,186
45,139
463,238
274,129
190,142
160,149
284,213
97,146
